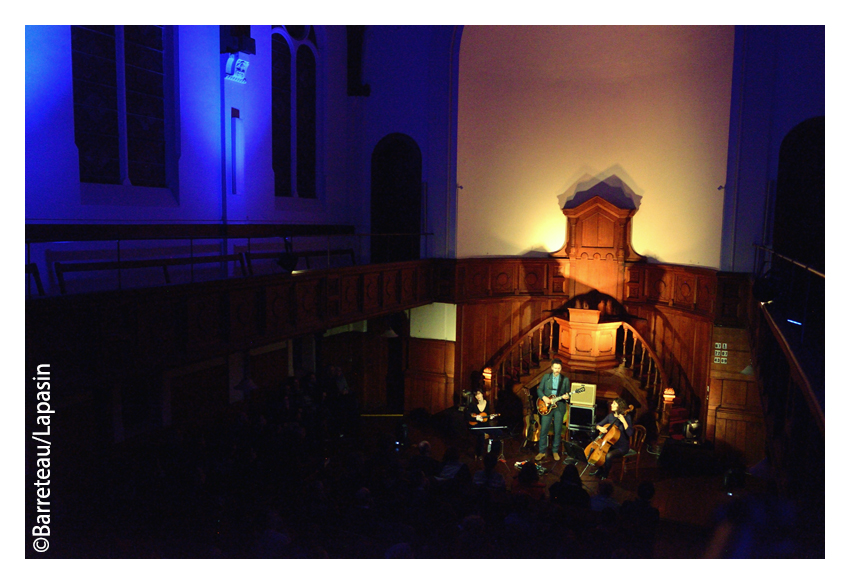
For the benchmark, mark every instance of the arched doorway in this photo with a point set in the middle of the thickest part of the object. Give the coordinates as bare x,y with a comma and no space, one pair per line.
396,199
798,225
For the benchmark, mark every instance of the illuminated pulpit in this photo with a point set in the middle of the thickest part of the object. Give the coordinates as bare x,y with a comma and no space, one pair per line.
586,343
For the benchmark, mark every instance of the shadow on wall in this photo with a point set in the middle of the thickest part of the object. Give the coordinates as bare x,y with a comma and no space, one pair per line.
613,189
609,307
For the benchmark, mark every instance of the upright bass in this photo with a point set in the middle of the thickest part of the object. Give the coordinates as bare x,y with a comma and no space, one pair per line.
598,449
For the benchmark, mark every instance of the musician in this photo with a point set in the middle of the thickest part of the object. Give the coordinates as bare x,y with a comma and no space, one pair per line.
478,415
553,385
621,418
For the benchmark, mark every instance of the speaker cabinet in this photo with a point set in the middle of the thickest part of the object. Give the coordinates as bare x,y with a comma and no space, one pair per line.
582,417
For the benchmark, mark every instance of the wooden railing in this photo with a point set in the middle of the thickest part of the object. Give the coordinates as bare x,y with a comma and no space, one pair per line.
253,249
111,254
640,358
62,268
793,404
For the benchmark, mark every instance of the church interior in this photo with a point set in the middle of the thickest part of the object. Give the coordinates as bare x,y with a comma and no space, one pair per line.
268,267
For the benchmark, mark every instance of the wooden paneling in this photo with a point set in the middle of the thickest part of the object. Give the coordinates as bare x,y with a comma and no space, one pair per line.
732,299
487,327
429,378
363,358
682,340
596,271
734,418
689,288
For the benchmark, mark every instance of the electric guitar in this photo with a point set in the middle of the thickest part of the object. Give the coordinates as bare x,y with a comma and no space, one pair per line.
481,418
543,408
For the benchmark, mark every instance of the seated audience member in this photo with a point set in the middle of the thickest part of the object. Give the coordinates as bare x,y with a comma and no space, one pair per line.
453,469
528,482
604,498
640,520
489,477
424,461
569,491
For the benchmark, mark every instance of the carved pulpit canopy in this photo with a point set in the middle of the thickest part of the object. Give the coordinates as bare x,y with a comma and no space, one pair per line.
599,229
599,239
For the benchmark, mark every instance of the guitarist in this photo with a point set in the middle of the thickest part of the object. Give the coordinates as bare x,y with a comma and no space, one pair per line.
552,385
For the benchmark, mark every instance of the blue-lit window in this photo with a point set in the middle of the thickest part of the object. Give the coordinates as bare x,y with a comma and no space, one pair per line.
294,65
121,113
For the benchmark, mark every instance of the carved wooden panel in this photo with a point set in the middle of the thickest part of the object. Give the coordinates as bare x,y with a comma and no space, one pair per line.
532,278
280,307
371,291
598,231
391,289
657,287
332,300
349,295
634,284
502,278
308,294
476,279
706,292
408,290
684,289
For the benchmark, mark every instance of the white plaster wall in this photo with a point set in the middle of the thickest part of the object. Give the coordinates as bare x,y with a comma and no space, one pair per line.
546,111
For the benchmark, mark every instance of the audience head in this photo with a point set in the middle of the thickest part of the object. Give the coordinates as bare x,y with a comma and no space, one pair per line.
424,448
646,490
491,459
571,475
528,473
452,454
606,488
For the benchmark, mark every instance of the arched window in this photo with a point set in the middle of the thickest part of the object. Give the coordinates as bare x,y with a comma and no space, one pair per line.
121,109
396,199
294,63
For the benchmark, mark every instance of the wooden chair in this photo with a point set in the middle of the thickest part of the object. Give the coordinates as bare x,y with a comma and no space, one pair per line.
635,448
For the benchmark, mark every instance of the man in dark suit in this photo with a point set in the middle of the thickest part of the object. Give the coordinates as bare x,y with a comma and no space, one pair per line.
551,387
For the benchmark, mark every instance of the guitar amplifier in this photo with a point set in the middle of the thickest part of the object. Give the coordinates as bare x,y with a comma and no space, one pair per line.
585,398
